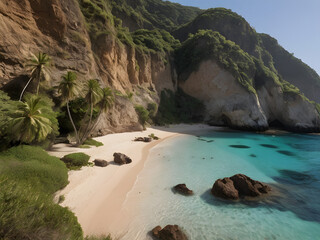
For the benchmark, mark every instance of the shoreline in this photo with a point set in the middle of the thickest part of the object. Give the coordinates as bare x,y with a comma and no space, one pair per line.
97,195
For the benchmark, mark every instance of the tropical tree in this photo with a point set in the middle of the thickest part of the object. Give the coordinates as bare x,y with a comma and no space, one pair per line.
33,120
37,66
93,95
70,89
104,105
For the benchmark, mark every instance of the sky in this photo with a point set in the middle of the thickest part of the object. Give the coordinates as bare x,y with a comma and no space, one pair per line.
294,23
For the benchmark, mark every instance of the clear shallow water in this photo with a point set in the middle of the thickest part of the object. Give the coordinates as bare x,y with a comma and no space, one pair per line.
291,162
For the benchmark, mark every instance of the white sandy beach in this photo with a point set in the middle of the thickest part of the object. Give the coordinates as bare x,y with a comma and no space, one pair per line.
97,195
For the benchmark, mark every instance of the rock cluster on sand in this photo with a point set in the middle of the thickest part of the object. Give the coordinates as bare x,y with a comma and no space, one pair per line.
143,139
121,158
182,189
238,186
100,162
169,232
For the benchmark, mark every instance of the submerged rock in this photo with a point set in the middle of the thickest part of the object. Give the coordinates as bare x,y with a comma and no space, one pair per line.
238,186
121,158
100,162
239,146
182,189
169,232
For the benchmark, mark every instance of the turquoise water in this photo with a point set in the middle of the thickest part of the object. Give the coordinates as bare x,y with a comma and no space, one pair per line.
289,162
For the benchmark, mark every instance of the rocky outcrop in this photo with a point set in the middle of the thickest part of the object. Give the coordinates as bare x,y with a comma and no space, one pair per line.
238,186
229,103
121,158
290,110
169,232
182,189
100,162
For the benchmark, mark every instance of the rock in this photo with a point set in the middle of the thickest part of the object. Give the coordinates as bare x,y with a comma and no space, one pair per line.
238,186
155,231
121,158
224,188
143,139
182,189
100,163
246,186
169,232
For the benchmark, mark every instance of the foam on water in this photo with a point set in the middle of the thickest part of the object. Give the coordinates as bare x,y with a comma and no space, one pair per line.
291,162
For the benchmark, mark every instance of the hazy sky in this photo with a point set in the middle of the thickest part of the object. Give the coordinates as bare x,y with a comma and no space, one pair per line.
294,23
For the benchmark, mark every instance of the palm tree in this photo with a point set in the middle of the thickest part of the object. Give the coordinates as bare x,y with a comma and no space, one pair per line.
31,121
37,65
69,89
104,104
94,94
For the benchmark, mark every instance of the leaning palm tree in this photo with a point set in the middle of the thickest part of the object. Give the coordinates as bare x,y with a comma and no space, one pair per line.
93,95
31,122
104,105
37,66
69,89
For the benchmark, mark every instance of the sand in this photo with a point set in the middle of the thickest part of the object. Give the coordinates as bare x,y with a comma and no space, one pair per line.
97,195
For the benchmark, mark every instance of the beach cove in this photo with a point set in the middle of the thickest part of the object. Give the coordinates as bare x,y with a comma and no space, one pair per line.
97,195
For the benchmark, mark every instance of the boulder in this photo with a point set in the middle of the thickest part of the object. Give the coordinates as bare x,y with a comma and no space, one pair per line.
182,189
224,188
143,139
169,232
100,162
121,158
238,186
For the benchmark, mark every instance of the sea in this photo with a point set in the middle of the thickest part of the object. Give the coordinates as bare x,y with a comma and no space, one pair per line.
289,163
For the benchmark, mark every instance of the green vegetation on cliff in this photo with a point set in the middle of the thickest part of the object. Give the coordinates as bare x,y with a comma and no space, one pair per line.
178,107
207,44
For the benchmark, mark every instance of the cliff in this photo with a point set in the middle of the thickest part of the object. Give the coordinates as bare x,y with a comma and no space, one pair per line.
237,73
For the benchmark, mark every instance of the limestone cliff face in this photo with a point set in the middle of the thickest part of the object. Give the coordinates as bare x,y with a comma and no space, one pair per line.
290,110
57,28
228,102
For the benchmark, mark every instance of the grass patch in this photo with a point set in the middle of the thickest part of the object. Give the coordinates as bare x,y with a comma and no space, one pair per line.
75,161
98,238
28,179
92,142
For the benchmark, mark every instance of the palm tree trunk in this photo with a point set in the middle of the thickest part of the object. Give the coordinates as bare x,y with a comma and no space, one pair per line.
24,89
39,79
86,132
73,125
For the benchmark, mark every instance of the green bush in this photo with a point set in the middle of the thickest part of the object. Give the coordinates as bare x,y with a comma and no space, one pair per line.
153,109
93,142
28,179
179,107
142,113
98,238
76,160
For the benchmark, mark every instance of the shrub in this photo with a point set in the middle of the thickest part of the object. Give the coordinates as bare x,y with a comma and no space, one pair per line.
76,160
153,109
179,107
142,113
93,142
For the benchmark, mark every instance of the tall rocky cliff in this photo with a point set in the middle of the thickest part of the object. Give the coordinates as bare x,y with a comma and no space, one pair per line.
127,45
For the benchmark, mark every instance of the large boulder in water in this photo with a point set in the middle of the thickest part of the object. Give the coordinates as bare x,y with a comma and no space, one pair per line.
121,158
169,232
183,189
238,186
